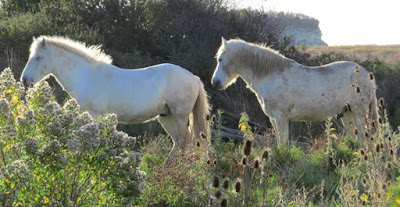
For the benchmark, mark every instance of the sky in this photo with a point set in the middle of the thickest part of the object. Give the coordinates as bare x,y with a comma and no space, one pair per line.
344,22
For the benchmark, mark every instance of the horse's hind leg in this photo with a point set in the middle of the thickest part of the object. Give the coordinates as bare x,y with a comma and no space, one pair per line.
177,128
348,124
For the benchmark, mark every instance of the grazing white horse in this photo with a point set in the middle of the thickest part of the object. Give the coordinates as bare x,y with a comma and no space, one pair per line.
287,90
166,92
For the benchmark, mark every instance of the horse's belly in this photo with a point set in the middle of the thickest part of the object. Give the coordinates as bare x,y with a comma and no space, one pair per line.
317,112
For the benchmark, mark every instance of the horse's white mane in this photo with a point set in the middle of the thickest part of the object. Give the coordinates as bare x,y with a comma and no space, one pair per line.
93,52
261,59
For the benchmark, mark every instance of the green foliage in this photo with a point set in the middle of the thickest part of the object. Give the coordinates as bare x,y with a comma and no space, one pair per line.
59,156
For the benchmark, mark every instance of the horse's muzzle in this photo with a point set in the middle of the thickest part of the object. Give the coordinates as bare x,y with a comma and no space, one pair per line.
27,82
217,84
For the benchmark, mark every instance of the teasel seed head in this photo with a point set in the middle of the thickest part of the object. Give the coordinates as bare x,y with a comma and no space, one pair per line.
225,184
265,155
238,186
371,76
377,148
208,117
218,194
366,157
213,118
358,90
244,161
356,131
381,145
356,69
362,152
247,147
381,102
198,144
380,120
208,162
390,138
366,134
215,163
391,152
373,124
388,165
364,181
224,202
202,135
215,182
256,163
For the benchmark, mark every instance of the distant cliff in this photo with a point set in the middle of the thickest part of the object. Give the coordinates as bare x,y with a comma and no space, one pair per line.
302,29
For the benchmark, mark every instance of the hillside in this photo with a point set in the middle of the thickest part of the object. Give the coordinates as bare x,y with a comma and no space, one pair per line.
386,53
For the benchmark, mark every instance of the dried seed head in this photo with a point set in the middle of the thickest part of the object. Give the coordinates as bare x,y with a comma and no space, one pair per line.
380,120
364,181
381,145
366,157
213,118
265,155
384,186
202,135
381,102
218,194
356,131
356,69
390,138
362,152
198,144
238,186
391,152
244,161
379,195
363,202
371,76
225,184
388,165
216,182
247,147
256,164
358,90
215,162
341,162
377,148
366,134
224,202
208,117
208,162
373,124
348,107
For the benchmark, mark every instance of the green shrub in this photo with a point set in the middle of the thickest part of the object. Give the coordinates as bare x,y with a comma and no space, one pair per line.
58,155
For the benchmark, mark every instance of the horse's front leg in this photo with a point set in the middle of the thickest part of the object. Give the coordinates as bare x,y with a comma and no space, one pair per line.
281,127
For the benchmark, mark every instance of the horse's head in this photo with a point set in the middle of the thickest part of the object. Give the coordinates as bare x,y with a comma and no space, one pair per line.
225,73
39,62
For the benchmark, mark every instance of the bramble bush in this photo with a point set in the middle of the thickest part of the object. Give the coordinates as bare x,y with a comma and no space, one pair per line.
53,155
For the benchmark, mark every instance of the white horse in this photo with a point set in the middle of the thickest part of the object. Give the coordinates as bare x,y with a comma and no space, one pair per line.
166,92
287,90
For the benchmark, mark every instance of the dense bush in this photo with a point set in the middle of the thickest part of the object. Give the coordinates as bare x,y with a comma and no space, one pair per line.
58,155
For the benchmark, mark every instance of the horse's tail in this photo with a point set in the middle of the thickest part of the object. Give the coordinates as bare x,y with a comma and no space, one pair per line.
373,108
201,111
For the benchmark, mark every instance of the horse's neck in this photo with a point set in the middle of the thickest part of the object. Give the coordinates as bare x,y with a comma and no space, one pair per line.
73,73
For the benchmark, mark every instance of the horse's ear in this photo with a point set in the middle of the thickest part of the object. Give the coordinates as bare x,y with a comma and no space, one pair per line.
34,38
43,43
223,41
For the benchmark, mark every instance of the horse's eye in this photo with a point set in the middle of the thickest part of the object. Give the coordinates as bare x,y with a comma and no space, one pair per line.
219,60
38,58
